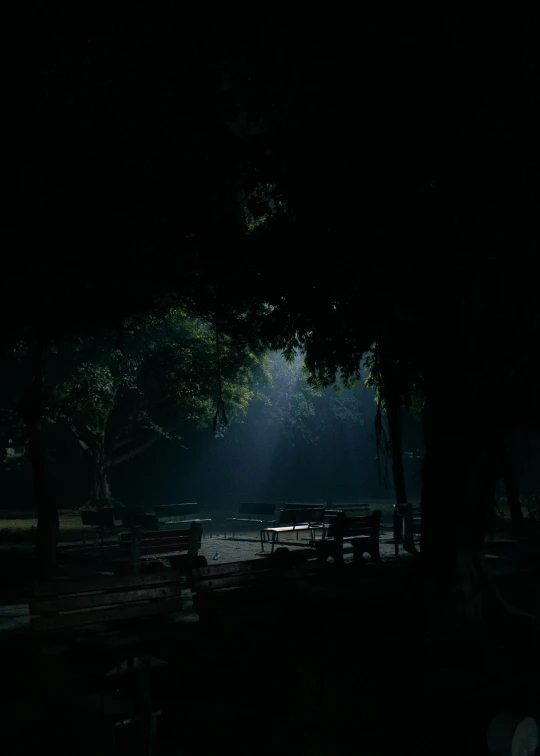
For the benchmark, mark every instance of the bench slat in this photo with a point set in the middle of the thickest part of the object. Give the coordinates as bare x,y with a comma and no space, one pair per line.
287,528
139,545
153,535
362,532
291,528
172,548
301,516
64,588
242,519
209,579
161,543
231,581
94,600
76,619
202,573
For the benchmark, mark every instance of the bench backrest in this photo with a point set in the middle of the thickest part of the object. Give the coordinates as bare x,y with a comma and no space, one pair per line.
254,508
351,509
343,526
237,574
306,515
300,505
136,516
227,575
102,518
163,541
64,604
177,510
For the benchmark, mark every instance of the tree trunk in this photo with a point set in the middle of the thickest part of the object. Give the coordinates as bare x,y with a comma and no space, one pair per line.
32,414
104,459
101,491
451,537
460,474
102,487
511,487
392,398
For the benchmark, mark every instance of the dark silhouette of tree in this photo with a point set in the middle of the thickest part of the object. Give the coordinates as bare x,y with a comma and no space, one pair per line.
331,187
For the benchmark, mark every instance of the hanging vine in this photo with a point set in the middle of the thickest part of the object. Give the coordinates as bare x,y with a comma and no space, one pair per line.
220,417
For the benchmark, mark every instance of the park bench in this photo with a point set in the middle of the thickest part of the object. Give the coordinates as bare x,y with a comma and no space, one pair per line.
142,546
100,522
361,532
252,513
294,521
170,515
65,604
117,695
214,586
330,511
136,517
352,509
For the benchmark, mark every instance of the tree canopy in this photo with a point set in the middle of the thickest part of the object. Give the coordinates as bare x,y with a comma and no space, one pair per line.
313,185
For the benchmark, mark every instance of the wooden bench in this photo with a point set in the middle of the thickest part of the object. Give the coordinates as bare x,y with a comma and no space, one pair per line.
141,546
295,521
301,505
100,521
273,573
107,702
351,510
255,513
136,517
361,532
172,514
362,510
60,604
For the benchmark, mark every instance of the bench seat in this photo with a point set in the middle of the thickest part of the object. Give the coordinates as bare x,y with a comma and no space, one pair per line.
292,528
294,520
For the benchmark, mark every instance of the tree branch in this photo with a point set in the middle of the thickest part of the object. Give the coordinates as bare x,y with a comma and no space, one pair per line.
8,412
81,443
133,452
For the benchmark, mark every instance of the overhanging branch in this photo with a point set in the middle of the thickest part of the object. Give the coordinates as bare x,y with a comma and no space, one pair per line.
133,452
79,440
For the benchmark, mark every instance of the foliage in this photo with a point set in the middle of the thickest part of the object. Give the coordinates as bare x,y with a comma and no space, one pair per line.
162,383
305,413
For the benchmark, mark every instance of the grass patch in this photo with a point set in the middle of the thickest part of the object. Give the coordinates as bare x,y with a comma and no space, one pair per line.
22,527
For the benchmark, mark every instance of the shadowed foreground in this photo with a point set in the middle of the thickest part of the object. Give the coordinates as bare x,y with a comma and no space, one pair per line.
310,670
